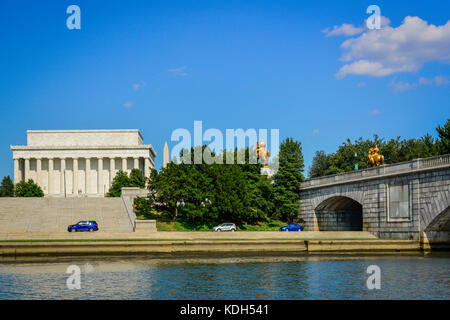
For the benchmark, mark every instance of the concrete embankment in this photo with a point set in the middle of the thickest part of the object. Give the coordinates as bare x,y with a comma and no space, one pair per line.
368,246
189,235
64,248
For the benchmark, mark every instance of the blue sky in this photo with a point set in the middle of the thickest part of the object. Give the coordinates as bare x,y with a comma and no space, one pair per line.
158,66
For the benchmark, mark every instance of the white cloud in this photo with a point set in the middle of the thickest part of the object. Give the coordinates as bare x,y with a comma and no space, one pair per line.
347,29
438,81
343,30
139,85
401,85
179,72
404,86
390,50
128,104
364,67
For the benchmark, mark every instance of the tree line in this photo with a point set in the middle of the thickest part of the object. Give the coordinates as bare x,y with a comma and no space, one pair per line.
394,150
21,189
204,194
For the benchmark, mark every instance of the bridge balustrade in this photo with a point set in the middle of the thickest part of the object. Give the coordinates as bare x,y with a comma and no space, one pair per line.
402,167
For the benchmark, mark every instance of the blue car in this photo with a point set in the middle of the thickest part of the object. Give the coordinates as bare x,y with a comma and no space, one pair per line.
292,227
83,226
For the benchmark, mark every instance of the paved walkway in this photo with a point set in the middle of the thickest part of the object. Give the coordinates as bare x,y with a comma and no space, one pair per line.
162,235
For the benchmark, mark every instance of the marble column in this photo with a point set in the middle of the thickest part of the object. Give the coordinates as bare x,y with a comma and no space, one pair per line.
147,168
112,169
50,176
88,175
124,164
99,176
21,169
62,187
17,177
75,176
27,169
136,163
39,172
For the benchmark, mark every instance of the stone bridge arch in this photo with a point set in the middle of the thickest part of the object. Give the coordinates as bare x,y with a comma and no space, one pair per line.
435,217
336,200
339,213
343,191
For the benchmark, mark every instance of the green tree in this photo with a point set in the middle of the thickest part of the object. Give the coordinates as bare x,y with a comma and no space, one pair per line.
28,189
230,196
7,187
142,206
394,151
166,188
288,179
320,164
260,191
344,159
444,137
120,181
208,193
137,179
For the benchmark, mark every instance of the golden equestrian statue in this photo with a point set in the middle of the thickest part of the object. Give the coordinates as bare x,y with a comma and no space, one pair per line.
262,153
374,157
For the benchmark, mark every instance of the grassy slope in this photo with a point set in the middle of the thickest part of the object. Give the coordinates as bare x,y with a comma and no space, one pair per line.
273,225
163,224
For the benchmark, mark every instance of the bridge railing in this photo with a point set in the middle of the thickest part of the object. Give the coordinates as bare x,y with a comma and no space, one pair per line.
400,167
434,161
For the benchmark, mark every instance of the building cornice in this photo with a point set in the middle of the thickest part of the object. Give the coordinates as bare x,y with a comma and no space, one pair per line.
34,148
89,131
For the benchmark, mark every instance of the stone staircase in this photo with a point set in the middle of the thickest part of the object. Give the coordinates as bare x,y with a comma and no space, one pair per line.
55,214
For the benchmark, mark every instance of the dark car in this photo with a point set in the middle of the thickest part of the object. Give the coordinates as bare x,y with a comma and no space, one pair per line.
292,227
83,226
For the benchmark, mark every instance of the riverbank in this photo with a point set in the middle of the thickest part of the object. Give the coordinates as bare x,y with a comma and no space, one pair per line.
156,247
103,243
193,235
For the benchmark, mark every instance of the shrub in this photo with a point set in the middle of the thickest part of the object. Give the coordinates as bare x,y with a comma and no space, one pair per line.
28,189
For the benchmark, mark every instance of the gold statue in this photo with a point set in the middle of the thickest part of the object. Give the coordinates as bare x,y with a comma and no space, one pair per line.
374,157
262,153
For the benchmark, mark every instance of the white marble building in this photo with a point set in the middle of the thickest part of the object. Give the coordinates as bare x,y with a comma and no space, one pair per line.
80,163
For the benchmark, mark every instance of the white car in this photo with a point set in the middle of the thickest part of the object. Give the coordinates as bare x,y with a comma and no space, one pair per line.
225,227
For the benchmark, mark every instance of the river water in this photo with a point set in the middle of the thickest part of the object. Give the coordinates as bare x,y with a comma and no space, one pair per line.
418,276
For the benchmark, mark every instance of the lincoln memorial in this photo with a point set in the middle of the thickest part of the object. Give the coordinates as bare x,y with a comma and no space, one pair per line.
80,163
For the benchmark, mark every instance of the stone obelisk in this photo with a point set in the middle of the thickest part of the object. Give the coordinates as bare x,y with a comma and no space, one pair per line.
166,155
